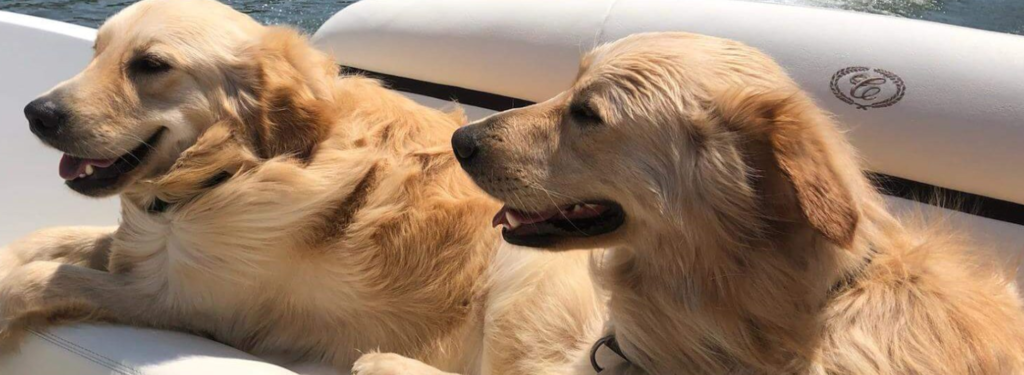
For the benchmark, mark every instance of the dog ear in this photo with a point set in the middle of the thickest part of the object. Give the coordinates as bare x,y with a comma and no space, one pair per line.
282,89
217,155
794,129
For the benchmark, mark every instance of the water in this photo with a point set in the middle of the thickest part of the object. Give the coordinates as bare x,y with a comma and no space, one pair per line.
996,15
306,14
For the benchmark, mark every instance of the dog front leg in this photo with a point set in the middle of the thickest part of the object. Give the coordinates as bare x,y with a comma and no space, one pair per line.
82,246
44,291
392,364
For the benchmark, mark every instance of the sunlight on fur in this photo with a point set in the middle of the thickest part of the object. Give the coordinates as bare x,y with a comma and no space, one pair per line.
752,243
283,210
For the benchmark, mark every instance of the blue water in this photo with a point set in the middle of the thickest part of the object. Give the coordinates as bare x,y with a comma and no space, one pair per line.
306,14
995,15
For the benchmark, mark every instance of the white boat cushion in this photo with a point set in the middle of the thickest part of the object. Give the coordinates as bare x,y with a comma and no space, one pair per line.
41,53
38,54
115,350
958,124
957,127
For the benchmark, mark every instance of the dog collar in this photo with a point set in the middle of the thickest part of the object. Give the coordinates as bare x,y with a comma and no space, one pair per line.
612,344
850,279
159,206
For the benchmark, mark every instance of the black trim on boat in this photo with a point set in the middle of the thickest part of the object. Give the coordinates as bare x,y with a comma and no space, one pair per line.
444,92
969,203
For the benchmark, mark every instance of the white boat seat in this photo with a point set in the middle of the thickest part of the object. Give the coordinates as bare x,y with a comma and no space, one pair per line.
958,125
116,350
41,53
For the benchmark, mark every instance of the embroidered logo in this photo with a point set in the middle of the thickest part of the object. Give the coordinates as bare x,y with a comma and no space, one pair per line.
868,88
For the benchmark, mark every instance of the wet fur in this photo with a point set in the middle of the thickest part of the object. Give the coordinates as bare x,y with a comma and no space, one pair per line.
312,219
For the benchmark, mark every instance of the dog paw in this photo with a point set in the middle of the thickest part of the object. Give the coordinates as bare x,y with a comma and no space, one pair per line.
11,334
22,293
392,364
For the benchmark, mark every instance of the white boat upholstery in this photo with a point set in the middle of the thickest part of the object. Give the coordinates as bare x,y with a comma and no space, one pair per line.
113,350
958,125
38,54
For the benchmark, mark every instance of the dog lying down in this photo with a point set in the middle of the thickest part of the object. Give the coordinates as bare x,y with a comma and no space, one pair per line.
744,237
277,208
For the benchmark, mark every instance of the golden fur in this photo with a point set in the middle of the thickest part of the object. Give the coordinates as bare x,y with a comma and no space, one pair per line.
305,217
753,243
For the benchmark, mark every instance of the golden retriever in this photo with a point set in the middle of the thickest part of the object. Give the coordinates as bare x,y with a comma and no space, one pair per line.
743,235
277,208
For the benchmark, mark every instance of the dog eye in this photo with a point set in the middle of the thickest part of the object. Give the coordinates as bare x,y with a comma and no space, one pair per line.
149,65
584,113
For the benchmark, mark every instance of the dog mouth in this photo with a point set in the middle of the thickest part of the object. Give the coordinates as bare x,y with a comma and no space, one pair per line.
86,175
544,228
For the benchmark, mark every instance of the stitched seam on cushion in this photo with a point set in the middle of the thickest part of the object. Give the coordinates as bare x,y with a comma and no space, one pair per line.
69,342
81,354
90,355
73,349
121,366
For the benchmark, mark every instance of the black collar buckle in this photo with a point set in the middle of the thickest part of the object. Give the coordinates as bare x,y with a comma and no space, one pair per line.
612,344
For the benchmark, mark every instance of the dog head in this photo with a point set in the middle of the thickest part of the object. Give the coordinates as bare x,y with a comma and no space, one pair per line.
673,131
166,70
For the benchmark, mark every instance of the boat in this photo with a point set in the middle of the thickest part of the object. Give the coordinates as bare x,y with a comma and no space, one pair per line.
935,111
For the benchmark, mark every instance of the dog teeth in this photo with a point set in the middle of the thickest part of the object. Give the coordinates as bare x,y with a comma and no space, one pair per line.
513,223
576,208
88,170
81,175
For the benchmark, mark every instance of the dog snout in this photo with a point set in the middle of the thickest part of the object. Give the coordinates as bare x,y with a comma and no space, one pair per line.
466,144
46,116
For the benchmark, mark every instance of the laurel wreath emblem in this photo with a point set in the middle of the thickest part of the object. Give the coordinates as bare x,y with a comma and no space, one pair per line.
885,77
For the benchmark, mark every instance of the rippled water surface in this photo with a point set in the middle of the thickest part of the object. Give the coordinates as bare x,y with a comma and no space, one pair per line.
307,14
996,15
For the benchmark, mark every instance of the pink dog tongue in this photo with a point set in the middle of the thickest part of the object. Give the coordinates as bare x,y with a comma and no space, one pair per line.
71,167
522,217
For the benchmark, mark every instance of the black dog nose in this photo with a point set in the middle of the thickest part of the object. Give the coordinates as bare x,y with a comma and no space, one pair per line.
45,116
464,143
